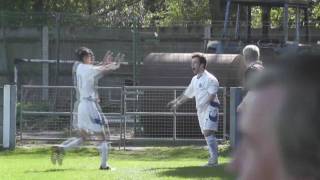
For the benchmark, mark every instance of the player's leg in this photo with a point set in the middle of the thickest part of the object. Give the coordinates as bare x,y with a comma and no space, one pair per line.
104,148
104,136
58,151
72,143
210,126
212,147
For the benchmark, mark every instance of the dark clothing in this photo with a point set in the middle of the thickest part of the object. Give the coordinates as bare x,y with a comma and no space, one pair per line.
252,70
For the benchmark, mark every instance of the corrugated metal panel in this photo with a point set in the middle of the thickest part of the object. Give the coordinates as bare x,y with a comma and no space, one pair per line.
174,69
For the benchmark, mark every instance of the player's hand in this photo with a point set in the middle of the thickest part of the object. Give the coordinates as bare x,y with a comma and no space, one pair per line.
119,58
172,105
108,58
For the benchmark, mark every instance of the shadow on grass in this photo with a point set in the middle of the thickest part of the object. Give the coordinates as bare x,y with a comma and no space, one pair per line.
51,170
195,172
170,153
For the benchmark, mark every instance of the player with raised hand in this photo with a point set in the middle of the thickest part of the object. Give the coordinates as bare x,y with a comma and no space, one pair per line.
88,119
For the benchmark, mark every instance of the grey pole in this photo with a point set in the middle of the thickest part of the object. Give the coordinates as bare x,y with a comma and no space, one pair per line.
226,18
237,30
298,25
235,100
9,116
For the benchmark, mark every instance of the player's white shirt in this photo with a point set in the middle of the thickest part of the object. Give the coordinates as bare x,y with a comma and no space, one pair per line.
201,88
87,111
87,77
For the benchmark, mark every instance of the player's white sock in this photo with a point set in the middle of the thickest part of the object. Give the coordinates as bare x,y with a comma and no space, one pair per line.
71,143
104,154
213,149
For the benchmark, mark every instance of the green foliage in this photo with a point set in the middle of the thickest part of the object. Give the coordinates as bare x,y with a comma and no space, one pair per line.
122,12
256,14
186,11
276,16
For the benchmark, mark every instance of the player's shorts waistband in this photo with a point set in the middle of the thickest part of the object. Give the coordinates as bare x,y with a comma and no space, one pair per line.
88,99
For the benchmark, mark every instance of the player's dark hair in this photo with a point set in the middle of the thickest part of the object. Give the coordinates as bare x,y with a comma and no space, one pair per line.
82,52
201,58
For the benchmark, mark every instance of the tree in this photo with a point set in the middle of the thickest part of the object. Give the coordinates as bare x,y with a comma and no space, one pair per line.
150,12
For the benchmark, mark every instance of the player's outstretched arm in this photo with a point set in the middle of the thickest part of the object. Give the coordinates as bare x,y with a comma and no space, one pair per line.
110,63
174,104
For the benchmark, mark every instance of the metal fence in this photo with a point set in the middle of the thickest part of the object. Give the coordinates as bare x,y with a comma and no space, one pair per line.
133,112
43,117
148,117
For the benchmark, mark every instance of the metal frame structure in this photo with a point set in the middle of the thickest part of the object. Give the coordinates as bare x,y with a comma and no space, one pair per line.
298,4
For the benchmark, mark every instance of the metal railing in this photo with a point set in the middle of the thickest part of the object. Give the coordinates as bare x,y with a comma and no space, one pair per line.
133,112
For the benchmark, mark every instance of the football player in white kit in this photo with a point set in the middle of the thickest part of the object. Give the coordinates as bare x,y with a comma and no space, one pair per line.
88,119
204,87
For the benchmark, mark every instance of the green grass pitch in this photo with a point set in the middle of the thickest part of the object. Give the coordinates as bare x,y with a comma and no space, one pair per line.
147,163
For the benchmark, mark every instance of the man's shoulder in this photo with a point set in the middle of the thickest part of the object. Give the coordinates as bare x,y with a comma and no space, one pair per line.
254,67
211,77
193,78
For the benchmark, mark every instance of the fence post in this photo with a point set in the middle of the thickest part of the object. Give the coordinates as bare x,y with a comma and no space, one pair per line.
175,120
125,116
21,112
235,100
224,113
9,116
45,66
71,111
121,116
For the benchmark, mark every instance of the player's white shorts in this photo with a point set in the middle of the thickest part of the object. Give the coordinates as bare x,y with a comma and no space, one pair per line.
209,118
89,117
